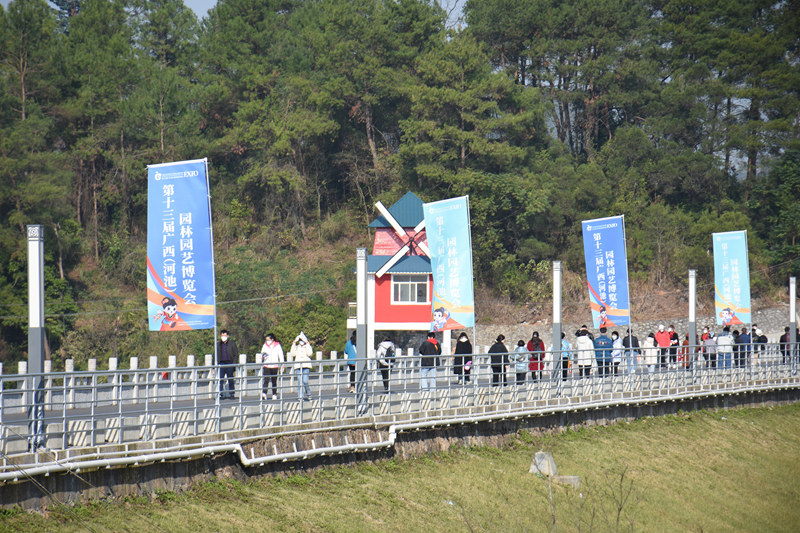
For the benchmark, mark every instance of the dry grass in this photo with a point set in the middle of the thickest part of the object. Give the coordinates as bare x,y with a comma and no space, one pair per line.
720,471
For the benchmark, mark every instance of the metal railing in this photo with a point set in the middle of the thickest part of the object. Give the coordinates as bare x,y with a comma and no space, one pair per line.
163,406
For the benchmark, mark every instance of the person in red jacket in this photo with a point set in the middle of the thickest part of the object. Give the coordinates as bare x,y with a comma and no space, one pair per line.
536,348
663,343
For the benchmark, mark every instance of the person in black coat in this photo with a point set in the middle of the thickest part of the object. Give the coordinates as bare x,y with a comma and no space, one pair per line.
430,350
227,354
499,356
462,362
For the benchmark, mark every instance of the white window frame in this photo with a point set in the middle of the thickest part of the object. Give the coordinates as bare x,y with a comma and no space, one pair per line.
411,281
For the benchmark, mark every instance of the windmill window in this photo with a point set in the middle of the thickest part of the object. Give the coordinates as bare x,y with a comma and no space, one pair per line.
410,289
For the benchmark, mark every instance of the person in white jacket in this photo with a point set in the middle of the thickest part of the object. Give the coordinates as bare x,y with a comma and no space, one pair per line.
650,353
584,352
272,352
385,354
300,354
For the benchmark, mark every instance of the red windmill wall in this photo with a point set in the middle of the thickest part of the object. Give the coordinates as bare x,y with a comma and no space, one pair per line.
385,311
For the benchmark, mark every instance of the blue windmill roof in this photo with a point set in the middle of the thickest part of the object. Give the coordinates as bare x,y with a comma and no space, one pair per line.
407,211
408,264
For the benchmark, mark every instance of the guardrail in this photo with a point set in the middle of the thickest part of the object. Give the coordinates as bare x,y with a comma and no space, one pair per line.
162,405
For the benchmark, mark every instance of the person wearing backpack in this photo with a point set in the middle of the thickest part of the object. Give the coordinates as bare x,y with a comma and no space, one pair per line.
602,352
385,355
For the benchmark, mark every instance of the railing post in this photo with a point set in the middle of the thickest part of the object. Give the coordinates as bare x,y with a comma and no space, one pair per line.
241,371
69,383
154,377
48,382
193,380
337,371
93,401
135,379
172,363
211,372
113,365
22,370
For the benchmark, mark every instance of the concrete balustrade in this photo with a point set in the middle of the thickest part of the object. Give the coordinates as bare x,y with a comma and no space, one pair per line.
104,406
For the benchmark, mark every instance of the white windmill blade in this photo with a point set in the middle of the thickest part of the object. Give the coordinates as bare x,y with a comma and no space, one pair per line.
421,245
392,261
424,247
392,221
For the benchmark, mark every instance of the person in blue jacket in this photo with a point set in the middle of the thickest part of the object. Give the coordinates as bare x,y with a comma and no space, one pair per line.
350,352
602,352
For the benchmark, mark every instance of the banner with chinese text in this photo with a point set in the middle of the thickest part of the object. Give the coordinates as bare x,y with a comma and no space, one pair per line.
731,278
447,230
180,257
607,271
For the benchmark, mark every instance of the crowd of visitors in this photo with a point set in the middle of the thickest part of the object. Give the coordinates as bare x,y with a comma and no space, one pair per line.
600,355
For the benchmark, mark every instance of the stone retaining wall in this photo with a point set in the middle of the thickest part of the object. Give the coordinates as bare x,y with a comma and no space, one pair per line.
771,321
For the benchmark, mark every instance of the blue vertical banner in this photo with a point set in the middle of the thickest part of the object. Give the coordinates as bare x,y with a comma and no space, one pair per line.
607,271
447,230
731,278
181,292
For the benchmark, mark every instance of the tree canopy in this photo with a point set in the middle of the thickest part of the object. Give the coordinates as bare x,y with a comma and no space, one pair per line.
682,116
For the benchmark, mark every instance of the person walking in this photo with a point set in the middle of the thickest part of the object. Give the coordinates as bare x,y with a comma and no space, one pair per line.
725,348
385,354
519,358
631,345
227,353
430,350
566,357
710,350
616,353
499,359
301,353
272,352
745,347
536,350
584,348
352,356
650,353
462,362
662,341
602,351
674,344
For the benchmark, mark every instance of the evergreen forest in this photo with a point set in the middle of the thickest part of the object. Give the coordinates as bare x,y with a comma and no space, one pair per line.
682,115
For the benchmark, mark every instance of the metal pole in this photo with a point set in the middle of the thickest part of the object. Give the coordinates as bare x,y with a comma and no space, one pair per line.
557,357
361,330
793,323
692,316
36,334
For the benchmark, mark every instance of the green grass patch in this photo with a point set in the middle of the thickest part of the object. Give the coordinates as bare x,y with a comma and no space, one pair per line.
707,471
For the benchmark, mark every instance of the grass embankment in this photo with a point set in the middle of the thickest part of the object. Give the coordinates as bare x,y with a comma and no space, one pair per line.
711,471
